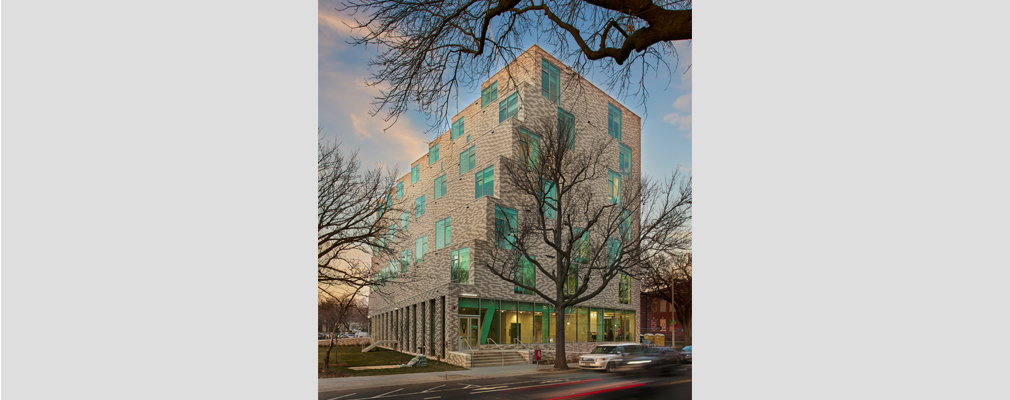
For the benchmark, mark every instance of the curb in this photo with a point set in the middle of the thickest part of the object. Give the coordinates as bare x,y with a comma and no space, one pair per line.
468,378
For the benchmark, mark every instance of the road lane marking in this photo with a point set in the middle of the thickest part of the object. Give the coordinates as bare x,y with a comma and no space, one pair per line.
335,398
436,397
397,390
430,389
538,386
598,391
673,383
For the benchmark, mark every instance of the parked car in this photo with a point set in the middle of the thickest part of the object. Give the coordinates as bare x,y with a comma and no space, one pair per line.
685,354
609,357
653,361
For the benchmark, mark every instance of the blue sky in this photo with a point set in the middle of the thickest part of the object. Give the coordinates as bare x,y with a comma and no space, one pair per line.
345,100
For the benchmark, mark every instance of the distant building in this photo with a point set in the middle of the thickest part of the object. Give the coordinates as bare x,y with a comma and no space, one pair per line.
449,306
658,318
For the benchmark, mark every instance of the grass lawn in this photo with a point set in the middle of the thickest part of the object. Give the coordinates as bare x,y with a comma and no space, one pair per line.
353,357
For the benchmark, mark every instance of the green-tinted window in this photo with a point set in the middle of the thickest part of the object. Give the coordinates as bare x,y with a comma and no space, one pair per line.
420,248
443,233
484,183
572,280
625,226
566,128
506,222
613,253
550,81
625,160
508,108
404,221
624,290
433,154
525,274
392,232
457,128
415,174
399,190
551,200
580,249
467,159
614,121
614,187
529,147
404,260
419,206
461,266
489,94
440,187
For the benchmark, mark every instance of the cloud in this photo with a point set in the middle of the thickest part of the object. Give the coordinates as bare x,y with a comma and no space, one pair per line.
683,103
681,121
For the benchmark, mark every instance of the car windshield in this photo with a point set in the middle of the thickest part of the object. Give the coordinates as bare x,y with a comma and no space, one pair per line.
602,350
687,348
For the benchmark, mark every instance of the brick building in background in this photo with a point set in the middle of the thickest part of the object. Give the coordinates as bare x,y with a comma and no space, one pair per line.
657,317
441,303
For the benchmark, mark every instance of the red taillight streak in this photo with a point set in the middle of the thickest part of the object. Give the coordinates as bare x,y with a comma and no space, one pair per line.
598,391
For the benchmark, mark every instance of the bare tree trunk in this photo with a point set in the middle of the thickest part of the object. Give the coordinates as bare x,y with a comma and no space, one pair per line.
687,332
333,342
560,358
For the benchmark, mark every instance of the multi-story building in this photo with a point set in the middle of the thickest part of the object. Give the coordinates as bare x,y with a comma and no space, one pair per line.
445,306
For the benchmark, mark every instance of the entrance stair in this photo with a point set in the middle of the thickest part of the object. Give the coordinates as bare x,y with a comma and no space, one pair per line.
495,358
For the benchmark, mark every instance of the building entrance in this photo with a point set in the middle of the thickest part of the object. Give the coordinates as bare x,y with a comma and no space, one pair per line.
469,332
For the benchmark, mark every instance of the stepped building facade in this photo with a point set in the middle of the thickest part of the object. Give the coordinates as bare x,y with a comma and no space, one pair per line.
440,303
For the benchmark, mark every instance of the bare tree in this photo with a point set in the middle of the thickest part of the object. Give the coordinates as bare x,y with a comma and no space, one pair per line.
572,227
335,309
355,209
432,48
669,278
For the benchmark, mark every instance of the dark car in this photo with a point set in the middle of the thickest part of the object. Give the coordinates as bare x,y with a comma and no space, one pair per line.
653,362
685,354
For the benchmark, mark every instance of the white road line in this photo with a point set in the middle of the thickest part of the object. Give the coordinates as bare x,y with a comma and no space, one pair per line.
429,398
335,398
397,390
430,389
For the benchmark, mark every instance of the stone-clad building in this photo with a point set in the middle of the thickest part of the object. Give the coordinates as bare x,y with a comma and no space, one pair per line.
445,304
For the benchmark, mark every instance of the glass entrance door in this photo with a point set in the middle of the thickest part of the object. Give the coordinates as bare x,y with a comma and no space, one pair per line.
469,331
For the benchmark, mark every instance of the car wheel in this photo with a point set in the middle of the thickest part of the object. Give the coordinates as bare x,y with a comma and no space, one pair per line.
610,367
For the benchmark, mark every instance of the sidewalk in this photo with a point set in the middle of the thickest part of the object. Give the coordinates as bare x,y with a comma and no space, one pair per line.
358,382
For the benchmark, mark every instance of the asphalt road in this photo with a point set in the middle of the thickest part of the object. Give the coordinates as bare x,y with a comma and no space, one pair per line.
576,386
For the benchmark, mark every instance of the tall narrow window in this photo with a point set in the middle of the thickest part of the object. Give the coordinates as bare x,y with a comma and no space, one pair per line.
506,221
457,128
614,187
419,206
624,289
420,248
415,173
529,147
461,266
580,250
433,154
392,232
394,267
489,94
404,260
443,233
625,226
550,81
399,190
566,128
625,160
467,159
572,279
508,107
526,275
484,183
404,221
440,187
550,200
614,121
613,253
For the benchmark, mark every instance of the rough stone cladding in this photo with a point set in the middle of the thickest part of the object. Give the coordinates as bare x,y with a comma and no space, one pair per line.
473,219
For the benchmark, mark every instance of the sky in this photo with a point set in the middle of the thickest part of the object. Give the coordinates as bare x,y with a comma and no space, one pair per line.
345,102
